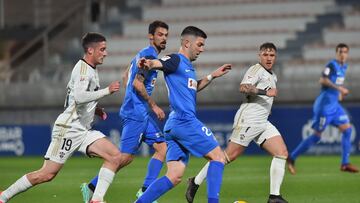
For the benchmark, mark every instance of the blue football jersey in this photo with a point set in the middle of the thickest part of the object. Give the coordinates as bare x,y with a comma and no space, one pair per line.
134,106
327,101
180,78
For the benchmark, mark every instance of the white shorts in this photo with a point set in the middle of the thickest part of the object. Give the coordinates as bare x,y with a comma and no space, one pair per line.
243,135
66,140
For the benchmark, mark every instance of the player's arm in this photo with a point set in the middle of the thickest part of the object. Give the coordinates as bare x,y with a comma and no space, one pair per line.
250,89
82,95
168,64
139,86
325,81
247,85
125,76
150,64
201,84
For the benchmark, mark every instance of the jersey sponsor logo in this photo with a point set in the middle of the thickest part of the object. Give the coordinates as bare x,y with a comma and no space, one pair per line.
165,58
192,84
340,80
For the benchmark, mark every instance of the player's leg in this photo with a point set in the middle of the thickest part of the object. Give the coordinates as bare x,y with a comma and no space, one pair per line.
47,172
240,138
154,138
96,145
342,121
273,143
319,124
177,159
131,138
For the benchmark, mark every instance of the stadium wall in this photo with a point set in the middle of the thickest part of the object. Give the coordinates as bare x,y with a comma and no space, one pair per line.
293,122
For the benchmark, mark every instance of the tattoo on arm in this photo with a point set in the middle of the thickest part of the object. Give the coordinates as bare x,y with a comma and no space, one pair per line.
140,88
248,89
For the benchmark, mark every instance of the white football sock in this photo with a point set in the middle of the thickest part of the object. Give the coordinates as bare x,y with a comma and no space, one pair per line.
277,171
202,174
21,185
106,177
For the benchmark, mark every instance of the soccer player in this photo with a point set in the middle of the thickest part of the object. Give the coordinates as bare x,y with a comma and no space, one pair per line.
251,124
328,110
138,125
72,129
184,133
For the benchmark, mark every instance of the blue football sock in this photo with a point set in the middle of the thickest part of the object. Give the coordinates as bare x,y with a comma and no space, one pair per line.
155,190
214,179
154,168
304,146
346,146
93,182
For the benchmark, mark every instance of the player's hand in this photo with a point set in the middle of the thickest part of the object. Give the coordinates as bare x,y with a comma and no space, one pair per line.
114,87
222,70
272,92
101,113
158,112
344,91
144,63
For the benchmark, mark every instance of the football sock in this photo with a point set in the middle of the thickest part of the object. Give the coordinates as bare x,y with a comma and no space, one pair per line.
214,179
200,177
93,183
21,185
277,171
304,146
155,190
106,177
154,168
346,146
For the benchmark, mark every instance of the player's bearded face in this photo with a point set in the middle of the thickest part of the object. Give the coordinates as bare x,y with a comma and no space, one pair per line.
267,58
160,38
342,54
99,52
196,47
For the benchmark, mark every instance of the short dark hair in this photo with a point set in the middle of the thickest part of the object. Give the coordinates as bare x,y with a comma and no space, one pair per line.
192,30
91,37
156,24
268,45
341,45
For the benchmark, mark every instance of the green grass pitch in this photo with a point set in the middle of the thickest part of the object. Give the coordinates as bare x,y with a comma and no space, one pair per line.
319,180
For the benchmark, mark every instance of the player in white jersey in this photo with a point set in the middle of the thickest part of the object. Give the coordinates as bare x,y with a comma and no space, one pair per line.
72,129
251,124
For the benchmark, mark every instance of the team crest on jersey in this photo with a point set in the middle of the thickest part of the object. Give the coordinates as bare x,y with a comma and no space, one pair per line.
153,81
192,84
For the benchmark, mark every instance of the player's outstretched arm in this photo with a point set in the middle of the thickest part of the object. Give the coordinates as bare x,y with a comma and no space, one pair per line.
82,96
252,90
140,88
149,64
222,70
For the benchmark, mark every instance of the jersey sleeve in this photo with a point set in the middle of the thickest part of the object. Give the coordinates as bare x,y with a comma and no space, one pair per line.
142,71
251,76
82,81
170,63
328,69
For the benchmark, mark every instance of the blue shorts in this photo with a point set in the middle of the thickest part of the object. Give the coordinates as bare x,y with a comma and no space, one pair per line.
321,120
134,132
185,136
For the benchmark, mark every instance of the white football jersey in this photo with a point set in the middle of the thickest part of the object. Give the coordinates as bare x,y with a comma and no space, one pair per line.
256,109
83,78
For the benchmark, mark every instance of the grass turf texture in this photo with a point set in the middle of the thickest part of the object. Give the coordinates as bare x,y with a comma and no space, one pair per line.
318,180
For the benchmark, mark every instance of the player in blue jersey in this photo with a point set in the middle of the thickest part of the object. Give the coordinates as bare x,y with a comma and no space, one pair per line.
138,125
184,133
328,110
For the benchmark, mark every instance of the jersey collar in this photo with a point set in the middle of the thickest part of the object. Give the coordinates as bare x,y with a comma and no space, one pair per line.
88,64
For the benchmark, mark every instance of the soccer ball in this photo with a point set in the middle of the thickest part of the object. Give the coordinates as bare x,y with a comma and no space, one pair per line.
240,201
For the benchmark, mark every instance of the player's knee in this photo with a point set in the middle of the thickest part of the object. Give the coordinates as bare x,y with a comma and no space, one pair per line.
220,158
116,159
175,179
283,153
